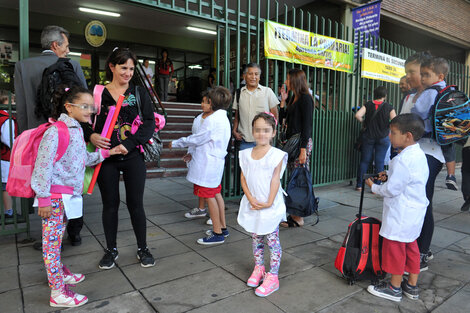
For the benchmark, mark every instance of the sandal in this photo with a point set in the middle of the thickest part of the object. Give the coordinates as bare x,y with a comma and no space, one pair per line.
290,223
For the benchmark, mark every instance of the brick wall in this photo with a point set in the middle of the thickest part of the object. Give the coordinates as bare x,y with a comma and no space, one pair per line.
449,16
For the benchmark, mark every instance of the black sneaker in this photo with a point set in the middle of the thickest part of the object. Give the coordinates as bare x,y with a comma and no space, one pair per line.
423,265
451,182
386,291
429,256
75,240
466,205
107,262
411,292
145,257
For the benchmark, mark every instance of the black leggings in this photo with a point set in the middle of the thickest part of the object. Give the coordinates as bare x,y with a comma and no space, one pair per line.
424,239
134,173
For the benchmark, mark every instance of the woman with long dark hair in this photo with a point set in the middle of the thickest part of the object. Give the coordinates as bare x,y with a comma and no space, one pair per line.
120,67
165,71
298,114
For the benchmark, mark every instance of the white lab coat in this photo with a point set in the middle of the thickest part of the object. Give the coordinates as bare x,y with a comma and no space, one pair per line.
209,148
404,195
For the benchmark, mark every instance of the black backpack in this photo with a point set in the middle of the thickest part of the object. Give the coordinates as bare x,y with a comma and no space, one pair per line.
450,115
59,73
300,199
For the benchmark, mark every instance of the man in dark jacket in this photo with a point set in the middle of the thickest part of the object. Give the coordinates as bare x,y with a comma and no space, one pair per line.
28,76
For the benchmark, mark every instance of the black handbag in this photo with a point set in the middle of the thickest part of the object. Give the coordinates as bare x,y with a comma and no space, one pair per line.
291,147
153,147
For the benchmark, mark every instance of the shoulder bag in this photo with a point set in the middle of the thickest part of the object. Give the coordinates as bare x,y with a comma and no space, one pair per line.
152,149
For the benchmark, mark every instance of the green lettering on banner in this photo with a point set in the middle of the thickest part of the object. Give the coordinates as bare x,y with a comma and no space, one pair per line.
290,44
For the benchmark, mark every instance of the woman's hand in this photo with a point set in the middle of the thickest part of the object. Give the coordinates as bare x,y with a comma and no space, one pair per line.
100,142
45,211
188,157
118,150
303,156
284,95
237,135
383,177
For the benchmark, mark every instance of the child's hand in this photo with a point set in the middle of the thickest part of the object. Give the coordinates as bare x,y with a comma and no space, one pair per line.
188,157
383,176
170,145
261,205
116,150
45,211
369,182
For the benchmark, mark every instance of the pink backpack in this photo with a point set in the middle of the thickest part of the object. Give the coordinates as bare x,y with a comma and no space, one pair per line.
24,154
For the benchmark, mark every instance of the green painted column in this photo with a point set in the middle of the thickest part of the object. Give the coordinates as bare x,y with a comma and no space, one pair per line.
24,28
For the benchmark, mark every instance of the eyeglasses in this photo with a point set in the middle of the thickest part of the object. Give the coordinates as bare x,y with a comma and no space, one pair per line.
84,106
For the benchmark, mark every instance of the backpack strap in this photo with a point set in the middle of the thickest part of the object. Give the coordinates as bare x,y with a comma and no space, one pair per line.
64,138
375,249
364,248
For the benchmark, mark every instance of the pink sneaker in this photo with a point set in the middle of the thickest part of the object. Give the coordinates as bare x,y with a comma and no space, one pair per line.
66,299
270,285
256,277
71,278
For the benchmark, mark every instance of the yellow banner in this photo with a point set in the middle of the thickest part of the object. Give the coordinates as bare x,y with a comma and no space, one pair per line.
286,43
381,66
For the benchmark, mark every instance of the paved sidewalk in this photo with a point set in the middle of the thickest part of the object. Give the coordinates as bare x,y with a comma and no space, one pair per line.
193,278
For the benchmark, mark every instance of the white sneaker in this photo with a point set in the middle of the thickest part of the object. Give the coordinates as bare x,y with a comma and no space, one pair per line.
66,299
195,213
72,278
209,222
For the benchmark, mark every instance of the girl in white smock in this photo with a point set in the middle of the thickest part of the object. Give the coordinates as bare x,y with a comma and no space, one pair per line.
262,207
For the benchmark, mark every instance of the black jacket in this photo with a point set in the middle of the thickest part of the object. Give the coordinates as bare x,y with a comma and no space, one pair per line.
299,118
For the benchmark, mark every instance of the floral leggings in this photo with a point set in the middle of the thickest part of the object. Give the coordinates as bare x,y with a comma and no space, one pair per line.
274,247
52,232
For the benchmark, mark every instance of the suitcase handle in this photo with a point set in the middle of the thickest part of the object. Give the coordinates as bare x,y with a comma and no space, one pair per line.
364,178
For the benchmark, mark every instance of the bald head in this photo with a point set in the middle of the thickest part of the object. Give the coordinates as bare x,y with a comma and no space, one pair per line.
404,86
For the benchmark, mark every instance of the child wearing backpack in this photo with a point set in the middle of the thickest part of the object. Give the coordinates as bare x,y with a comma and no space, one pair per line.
262,207
206,159
404,208
5,145
58,186
433,72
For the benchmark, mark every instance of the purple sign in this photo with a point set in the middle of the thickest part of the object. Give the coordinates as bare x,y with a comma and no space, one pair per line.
366,19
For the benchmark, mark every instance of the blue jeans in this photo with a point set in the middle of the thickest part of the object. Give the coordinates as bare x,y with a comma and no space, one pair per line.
246,145
369,147
164,80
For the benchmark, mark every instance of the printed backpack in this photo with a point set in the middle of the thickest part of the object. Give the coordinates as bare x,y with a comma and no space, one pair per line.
61,72
360,254
24,154
5,150
450,115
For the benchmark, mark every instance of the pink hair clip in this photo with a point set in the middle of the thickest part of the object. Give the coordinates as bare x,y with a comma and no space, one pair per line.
269,113
67,89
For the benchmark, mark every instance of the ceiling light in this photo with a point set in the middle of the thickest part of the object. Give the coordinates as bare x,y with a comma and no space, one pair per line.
195,67
76,54
202,30
150,61
94,11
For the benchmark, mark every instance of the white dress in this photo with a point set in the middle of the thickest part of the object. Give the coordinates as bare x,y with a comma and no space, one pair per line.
258,175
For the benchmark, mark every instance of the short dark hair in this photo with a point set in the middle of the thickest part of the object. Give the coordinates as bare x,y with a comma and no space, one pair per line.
380,92
52,34
118,56
220,98
251,65
265,116
419,57
437,65
409,122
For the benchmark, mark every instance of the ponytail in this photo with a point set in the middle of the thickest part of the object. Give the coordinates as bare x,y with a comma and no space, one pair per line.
63,95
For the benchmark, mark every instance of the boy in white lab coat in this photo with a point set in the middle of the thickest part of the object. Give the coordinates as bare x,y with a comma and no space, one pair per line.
206,159
405,203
